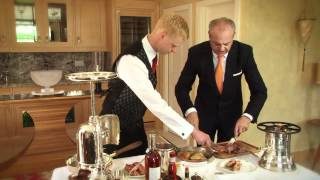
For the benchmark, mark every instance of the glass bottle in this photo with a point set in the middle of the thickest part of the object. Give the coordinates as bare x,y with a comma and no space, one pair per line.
172,169
186,173
152,160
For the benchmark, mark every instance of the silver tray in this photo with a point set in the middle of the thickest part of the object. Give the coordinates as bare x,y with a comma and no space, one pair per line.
91,76
207,152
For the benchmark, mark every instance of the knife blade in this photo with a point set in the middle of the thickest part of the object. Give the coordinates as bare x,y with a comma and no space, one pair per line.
166,140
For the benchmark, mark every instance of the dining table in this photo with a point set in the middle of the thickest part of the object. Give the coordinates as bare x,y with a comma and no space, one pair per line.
212,169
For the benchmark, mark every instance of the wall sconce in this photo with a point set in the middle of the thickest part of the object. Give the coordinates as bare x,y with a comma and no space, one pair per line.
305,25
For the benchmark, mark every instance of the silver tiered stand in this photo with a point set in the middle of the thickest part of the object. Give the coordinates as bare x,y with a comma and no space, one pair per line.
98,130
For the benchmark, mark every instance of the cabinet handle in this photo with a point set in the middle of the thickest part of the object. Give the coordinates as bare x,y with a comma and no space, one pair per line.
38,39
27,120
78,39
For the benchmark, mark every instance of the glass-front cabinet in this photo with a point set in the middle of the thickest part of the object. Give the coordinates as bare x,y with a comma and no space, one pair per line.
25,21
132,29
43,23
131,25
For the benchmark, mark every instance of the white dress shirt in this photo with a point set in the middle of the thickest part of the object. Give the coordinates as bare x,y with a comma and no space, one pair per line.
135,74
215,62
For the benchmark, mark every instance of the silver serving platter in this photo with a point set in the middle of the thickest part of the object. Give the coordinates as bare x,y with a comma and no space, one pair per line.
91,76
73,164
207,152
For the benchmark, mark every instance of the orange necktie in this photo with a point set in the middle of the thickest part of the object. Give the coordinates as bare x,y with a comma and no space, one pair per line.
219,74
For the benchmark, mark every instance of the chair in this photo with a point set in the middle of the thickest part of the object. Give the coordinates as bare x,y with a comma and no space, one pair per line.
316,123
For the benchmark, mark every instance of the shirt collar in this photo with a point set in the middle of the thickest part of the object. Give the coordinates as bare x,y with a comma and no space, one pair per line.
151,53
216,56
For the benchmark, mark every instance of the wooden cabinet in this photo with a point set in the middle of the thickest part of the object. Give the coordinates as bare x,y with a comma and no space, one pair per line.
5,91
53,25
51,145
90,20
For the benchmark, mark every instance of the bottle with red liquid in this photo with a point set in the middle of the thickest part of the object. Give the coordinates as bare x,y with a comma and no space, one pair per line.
172,169
152,160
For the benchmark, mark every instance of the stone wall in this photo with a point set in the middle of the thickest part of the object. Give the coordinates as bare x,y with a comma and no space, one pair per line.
19,65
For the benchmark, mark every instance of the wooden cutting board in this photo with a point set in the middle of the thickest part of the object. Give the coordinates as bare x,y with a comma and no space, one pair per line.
245,149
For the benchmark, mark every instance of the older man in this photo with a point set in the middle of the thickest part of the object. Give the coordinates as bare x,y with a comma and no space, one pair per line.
220,63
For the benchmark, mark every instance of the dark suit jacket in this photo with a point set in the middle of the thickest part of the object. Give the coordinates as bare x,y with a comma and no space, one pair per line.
213,108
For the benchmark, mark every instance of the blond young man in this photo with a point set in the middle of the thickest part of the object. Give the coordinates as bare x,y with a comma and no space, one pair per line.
136,91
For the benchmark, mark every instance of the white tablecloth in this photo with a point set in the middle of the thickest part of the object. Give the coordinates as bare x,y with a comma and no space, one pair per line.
209,171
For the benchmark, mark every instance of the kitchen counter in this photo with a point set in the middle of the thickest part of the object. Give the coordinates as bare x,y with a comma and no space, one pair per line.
30,84
29,96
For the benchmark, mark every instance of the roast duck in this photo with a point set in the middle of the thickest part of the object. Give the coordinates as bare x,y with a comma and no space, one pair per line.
229,148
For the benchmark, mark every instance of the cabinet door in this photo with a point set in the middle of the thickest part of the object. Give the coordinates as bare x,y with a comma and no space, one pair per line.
5,120
131,24
26,22
43,25
5,24
58,24
90,24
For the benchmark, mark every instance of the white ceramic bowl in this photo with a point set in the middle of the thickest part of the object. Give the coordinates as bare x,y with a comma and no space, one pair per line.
46,78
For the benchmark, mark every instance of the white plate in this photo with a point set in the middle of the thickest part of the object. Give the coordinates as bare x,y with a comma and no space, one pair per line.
127,175
202,163
246,166
34,93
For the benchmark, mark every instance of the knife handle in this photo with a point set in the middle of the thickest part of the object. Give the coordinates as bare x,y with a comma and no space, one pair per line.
126,148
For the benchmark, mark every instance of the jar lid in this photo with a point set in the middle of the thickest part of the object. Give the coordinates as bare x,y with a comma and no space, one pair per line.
172,154
196,177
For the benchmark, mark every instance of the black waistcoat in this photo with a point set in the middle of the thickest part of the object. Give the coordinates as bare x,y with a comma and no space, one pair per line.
122,101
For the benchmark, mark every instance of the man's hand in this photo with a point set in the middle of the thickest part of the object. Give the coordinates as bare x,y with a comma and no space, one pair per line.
201,137
242,125
193,119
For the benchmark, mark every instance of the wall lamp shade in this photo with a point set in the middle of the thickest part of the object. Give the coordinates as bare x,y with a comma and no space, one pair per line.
305,28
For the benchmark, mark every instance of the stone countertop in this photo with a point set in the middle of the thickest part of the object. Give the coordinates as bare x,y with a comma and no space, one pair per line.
29,96
28,84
